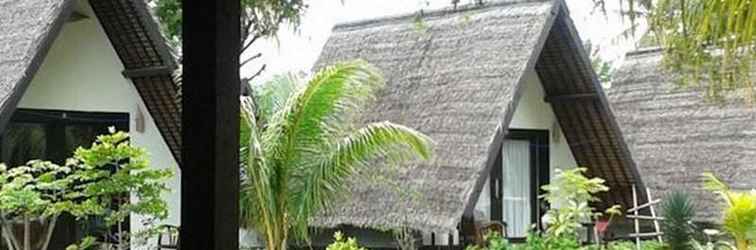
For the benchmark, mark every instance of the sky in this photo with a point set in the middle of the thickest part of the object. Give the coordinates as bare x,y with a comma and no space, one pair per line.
297,50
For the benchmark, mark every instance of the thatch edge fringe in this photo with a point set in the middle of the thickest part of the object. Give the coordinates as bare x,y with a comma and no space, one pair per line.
40,53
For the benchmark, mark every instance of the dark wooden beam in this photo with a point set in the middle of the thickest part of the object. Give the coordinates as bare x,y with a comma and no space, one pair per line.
150,71
570,97
210,126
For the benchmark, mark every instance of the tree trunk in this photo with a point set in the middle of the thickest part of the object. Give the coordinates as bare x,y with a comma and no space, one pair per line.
50,229
27,233
10,238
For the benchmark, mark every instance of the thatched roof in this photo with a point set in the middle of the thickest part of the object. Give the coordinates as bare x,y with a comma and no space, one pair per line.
675,135
456,77
25,28
29,27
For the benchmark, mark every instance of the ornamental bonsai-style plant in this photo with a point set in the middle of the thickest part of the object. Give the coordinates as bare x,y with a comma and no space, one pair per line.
31,198
111,180
114,180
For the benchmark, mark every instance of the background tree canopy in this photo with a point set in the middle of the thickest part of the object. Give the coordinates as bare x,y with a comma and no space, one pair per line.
708,43
259,19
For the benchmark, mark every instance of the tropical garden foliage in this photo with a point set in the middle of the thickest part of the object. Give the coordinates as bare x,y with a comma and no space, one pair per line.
739,211
343,243
304,142
708,39
86,187
680,232
260,19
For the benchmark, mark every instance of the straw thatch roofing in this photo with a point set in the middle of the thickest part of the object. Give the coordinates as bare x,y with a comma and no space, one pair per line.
456,77
675,135
29,27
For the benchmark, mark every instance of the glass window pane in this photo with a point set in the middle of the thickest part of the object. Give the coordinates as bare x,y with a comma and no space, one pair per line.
81,135
516,187
23,142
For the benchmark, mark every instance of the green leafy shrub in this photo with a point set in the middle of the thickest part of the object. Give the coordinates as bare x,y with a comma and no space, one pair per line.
342,243
679,211
548,241
629,245
494,241
570,194
88,243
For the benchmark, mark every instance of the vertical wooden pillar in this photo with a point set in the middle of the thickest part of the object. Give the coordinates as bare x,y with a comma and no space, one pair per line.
210,126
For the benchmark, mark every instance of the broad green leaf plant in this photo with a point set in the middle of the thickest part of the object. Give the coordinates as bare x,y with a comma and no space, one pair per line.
570,194
343,243
739,211
304,143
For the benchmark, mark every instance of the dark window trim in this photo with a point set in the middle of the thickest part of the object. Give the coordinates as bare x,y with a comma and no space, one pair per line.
118,119
539,174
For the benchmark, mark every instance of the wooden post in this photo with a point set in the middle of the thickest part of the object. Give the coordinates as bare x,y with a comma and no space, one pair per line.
210,126
653,214
636,222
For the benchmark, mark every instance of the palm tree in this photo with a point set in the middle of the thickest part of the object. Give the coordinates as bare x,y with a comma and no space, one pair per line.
303,145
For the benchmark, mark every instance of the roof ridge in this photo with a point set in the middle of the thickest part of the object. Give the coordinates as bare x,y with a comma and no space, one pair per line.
432,13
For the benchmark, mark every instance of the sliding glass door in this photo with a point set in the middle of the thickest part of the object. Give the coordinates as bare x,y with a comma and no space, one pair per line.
516,200
522,168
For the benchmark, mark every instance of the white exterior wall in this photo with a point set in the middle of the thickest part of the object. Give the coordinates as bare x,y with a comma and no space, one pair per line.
83,73
533,113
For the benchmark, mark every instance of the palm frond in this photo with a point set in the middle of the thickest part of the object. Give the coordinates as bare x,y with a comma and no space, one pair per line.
303,145
255,199
322,110
271,96
324,180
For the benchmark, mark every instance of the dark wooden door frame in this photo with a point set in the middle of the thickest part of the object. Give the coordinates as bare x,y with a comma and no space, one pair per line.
539,174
